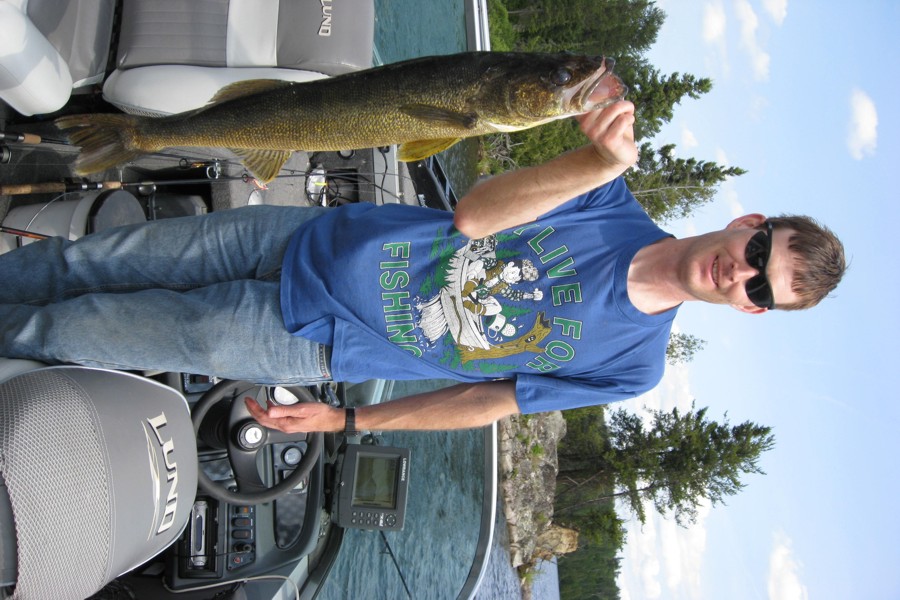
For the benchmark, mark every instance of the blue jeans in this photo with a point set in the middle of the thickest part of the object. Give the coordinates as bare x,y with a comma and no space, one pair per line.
195,295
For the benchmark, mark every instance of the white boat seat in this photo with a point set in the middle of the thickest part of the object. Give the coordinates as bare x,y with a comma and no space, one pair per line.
173,55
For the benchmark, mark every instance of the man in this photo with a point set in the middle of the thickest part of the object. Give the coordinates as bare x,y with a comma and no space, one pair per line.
294,295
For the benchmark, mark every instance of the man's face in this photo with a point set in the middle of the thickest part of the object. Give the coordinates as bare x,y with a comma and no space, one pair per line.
716,268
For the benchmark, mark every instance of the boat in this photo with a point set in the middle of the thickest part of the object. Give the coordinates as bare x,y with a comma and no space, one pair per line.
164,506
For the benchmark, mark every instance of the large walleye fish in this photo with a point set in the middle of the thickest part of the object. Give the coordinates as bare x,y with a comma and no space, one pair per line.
426,105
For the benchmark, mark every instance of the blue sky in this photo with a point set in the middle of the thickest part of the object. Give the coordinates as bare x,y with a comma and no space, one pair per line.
804,98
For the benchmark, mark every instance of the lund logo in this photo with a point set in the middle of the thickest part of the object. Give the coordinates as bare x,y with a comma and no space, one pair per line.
325,26
171,468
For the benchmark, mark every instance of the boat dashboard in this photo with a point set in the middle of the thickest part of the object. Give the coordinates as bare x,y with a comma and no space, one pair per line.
291,541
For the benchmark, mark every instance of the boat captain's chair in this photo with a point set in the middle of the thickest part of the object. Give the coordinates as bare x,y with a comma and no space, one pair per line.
98,474
174,55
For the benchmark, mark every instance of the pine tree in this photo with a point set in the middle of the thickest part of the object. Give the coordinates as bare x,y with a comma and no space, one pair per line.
682,348
671,188
655,95
609,27
683,459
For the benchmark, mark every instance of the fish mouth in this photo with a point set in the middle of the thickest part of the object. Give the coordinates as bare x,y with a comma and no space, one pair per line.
598,91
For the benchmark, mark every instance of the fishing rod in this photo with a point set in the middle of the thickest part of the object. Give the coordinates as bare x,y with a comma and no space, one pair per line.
57,187
22,233
20,189
330,192
345,175
34,139
23,138
30,139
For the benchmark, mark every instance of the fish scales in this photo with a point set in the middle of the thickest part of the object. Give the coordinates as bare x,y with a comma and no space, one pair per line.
360,110
425,105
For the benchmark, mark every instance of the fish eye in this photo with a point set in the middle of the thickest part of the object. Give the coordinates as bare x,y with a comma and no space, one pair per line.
561,76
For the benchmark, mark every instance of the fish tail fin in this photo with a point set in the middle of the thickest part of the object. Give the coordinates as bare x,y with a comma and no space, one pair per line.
106,140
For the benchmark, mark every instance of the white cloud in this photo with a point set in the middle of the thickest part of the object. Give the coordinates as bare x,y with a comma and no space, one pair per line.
639,577
784,578
714,22
722,158
661,559
684,548
759,58
777,9
732,200
688,139
714,33
727,190
863,135
674,390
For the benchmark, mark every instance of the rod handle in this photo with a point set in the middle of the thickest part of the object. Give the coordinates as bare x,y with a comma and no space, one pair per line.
25,138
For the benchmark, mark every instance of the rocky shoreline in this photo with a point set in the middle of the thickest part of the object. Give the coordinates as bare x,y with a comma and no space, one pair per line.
528,468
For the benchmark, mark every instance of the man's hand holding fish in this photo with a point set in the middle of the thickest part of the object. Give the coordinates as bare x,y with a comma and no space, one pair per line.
611,131
517,197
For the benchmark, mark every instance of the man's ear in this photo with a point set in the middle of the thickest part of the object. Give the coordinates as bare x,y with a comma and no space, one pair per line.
750,221
750,309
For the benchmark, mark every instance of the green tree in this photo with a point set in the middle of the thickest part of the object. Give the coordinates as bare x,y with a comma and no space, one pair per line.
655,95
669,187
678,462
623,29
610,27
590,571
682,347
540,144
503,36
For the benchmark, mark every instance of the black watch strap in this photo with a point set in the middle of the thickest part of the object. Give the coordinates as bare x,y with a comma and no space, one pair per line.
350,422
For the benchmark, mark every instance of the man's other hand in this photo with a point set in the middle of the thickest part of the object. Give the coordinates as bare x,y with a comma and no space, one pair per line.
301,417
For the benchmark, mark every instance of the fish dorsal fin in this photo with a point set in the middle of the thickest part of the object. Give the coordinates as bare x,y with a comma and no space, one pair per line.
239,89
264,164
427,112
422,149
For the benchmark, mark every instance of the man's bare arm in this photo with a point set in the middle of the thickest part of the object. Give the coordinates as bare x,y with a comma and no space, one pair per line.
460,406
521,196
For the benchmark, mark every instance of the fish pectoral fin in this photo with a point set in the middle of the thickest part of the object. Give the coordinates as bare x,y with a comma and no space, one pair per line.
430,113
422,149
264,164
239,89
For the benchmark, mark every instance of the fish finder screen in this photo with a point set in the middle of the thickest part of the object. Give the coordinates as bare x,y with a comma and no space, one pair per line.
376,482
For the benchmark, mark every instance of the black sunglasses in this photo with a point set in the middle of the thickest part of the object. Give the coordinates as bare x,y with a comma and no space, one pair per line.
758,251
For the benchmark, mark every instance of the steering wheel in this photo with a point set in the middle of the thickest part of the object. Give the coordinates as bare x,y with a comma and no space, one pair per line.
244,439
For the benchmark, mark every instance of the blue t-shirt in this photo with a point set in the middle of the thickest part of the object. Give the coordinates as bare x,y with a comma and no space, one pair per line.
400,294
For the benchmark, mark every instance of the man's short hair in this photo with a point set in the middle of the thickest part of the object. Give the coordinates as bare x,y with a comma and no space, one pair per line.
819,262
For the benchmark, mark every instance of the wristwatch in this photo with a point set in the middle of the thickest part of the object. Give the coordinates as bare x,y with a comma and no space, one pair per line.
350,422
